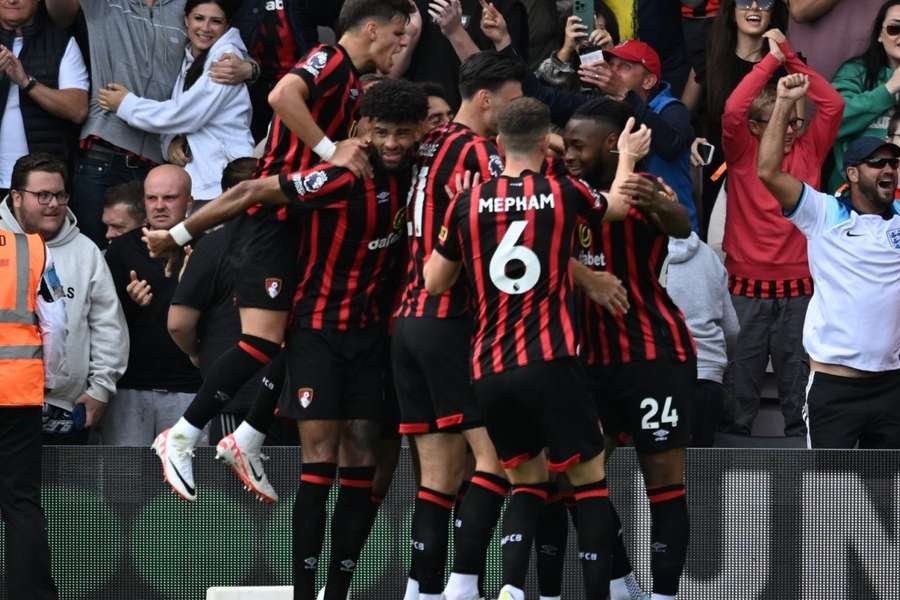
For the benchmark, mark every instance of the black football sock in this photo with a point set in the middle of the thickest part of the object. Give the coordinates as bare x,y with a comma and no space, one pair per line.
308,523
262,411
621,565
232,370
669,534
429,539
594,537
475,522
519,524
550,544
350,526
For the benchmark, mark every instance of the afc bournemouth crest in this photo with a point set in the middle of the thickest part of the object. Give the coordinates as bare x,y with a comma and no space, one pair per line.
305,396
893,236
273,287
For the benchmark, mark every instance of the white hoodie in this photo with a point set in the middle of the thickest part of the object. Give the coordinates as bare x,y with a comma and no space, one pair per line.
97,344
214,117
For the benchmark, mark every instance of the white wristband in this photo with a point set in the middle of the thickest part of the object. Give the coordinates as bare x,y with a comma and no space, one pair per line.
325,148
180,234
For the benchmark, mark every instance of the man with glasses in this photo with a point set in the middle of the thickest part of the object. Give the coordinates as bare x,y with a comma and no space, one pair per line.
766,256
852,330
38,203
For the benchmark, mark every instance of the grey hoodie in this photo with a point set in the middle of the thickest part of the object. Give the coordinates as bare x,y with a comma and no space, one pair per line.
698,283
97,346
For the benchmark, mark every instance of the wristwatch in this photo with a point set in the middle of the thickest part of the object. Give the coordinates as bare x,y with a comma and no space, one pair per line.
30,85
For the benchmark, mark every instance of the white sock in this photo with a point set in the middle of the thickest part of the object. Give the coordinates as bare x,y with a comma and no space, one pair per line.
513,591
461,587
412,586
662,597
249,438
184,429
551,597
430,596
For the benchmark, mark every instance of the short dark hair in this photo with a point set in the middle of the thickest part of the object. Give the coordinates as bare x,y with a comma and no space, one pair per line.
238,170
604,111
131,194
395,101
355,12
488,70
522,124
430,88
37,161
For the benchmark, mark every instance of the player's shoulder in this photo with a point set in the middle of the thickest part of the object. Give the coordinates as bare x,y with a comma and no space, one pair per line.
318,58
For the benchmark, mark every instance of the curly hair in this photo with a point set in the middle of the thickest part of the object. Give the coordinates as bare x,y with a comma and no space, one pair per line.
395,101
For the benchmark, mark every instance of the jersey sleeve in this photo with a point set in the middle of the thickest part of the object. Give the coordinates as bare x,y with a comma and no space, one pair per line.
592,203
322,68
483,158
448,243
318,187
814,211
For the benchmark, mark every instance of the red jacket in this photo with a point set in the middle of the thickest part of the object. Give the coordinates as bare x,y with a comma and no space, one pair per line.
760,242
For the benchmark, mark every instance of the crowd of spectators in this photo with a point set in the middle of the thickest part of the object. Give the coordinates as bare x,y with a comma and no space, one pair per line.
142,104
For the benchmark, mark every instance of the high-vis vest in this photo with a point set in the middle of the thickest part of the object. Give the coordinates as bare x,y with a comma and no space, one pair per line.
22,262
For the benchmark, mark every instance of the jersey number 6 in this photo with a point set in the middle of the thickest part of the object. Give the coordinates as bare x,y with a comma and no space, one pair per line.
507,252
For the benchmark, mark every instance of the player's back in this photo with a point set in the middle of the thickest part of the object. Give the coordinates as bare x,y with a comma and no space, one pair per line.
514,236
443,154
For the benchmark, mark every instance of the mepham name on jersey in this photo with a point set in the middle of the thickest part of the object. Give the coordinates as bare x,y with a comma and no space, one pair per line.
516,203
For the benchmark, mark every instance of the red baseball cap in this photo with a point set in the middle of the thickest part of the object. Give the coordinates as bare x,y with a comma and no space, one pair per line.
638,52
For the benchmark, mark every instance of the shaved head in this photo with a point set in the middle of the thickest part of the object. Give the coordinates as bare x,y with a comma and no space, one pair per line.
167,196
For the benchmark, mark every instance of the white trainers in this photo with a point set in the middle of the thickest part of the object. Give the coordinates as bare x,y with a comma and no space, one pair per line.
247,465
175,452
508,592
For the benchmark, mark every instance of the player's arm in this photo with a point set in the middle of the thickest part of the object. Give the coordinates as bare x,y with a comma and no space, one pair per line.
633,145
322,186
601,287
785,187
182,324
230,204
444,265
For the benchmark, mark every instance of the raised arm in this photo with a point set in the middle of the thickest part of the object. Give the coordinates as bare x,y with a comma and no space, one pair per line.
447,14
786,188
829,104
402,59
633,145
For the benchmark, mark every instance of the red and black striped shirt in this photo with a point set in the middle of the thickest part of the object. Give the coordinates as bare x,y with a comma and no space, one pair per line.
770,288
442,155
634,251
514,237
351,248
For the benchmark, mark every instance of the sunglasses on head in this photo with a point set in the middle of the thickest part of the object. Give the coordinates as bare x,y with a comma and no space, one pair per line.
765,5
879,163
892,29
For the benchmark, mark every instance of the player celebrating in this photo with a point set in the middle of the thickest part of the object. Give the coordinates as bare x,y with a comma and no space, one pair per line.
514,236
315,103
430,347
642,362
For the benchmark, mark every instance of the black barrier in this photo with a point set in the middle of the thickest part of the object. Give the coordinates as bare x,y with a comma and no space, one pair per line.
766,524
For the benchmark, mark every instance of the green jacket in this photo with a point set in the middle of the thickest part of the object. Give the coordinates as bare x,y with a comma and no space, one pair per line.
866,113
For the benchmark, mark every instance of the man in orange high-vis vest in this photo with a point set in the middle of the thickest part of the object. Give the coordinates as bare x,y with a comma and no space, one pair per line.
32,336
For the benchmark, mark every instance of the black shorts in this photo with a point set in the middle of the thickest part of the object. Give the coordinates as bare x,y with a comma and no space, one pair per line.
264,258
842,412
431,373
650,401
390,415
543,405
335,376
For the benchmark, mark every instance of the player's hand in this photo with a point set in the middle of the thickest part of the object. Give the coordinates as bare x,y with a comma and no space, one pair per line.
230,69
93,410
447,15
607,290
462,182
159,242
557,145
353,154
696,159
139,290
634,142
775,37
793,87
645,194
493,25
600,76
177,153
111,96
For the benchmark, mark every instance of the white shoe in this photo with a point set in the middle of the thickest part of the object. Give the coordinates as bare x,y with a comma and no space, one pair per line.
507,593
247,465
321,595
175,452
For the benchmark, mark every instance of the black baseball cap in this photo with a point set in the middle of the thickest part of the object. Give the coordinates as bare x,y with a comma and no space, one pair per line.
862,148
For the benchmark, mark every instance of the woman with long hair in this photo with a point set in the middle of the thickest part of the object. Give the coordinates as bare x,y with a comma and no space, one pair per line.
736,43
205,125
869,84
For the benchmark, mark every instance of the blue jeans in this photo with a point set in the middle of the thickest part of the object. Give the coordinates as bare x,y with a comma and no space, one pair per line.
98,169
